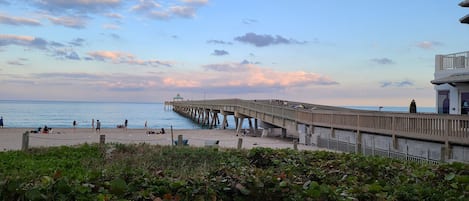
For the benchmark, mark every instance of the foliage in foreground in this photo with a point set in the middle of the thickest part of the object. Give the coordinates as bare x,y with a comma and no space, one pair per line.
144,172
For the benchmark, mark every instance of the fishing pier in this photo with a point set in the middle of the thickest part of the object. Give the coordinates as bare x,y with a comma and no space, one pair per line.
413,136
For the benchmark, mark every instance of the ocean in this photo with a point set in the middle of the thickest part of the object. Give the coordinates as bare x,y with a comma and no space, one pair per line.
61,114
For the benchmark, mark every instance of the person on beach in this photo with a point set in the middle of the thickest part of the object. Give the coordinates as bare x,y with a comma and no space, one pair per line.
92,123
125,124
1,122
98,126
45,130
74,124
146,125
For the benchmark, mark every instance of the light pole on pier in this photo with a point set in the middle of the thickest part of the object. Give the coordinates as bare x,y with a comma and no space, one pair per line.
464,19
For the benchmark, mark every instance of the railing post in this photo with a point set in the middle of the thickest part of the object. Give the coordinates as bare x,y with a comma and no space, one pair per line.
240,143
358,141
25,142
447,147
393,130
102,139
180,141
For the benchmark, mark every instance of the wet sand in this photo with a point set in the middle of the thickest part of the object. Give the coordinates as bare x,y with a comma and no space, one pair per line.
11,138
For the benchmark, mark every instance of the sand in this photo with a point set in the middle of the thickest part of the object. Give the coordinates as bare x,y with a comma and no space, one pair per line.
11,138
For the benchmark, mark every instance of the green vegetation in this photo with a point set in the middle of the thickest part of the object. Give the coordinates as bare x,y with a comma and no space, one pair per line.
147,172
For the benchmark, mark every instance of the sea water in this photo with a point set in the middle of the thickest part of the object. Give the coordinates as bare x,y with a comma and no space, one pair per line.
61,114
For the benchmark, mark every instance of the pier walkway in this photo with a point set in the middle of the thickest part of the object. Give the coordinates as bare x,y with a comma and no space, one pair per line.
315,123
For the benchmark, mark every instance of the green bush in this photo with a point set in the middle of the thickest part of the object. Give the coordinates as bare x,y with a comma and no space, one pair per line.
146,172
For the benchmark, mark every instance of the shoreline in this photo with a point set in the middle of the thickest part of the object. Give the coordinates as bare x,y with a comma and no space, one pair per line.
11,138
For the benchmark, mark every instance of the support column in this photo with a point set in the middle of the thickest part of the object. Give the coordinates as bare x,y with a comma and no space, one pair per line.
284,133
358,140
251,129
255,126
225,122
240,125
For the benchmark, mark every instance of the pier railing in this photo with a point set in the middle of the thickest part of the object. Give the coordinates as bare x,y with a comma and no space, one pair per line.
453,129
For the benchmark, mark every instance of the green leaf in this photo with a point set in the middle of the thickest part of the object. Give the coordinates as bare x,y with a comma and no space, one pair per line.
449,176
118,186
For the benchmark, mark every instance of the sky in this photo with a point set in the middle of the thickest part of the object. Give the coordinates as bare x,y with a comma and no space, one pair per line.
345,53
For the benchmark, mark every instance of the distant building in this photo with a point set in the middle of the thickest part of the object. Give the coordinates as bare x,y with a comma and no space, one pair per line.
452,79
452,83
178,97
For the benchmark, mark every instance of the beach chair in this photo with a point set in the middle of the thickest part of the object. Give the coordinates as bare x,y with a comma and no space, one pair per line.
211,143
185,142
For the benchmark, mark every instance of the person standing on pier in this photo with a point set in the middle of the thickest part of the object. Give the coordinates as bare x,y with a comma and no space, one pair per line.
413,107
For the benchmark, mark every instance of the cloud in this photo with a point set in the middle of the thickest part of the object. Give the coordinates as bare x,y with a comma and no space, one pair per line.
66,54
428,44
196,2
183,11
249,21
405,83
111,26
15,63
77,6
265,40
249,75
249,62
56,44
154,10
115,36
225,67
26,41
114,15
383,61
219,42
145,5
18,21
122,57
77,42
69,21
219,52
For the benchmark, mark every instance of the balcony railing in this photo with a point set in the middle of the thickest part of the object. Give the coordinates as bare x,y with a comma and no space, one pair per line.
453,61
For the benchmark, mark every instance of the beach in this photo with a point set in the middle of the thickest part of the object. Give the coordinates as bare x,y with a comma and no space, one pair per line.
11,138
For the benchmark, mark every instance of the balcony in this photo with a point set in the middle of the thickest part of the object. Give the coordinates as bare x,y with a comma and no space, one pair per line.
456,61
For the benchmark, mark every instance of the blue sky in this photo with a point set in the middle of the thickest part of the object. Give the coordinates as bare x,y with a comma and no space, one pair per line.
319,51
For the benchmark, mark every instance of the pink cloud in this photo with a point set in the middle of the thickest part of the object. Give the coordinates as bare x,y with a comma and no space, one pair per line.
237,74
122,57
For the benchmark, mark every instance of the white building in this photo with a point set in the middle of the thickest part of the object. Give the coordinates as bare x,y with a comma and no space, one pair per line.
452,83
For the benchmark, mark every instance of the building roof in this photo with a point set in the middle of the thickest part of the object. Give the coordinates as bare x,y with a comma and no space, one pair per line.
452,79
465,19
464,3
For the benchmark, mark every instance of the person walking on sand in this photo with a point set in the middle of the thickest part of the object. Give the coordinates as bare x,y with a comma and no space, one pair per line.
98,126
92,123
1,122
74,124
146,125
125,124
